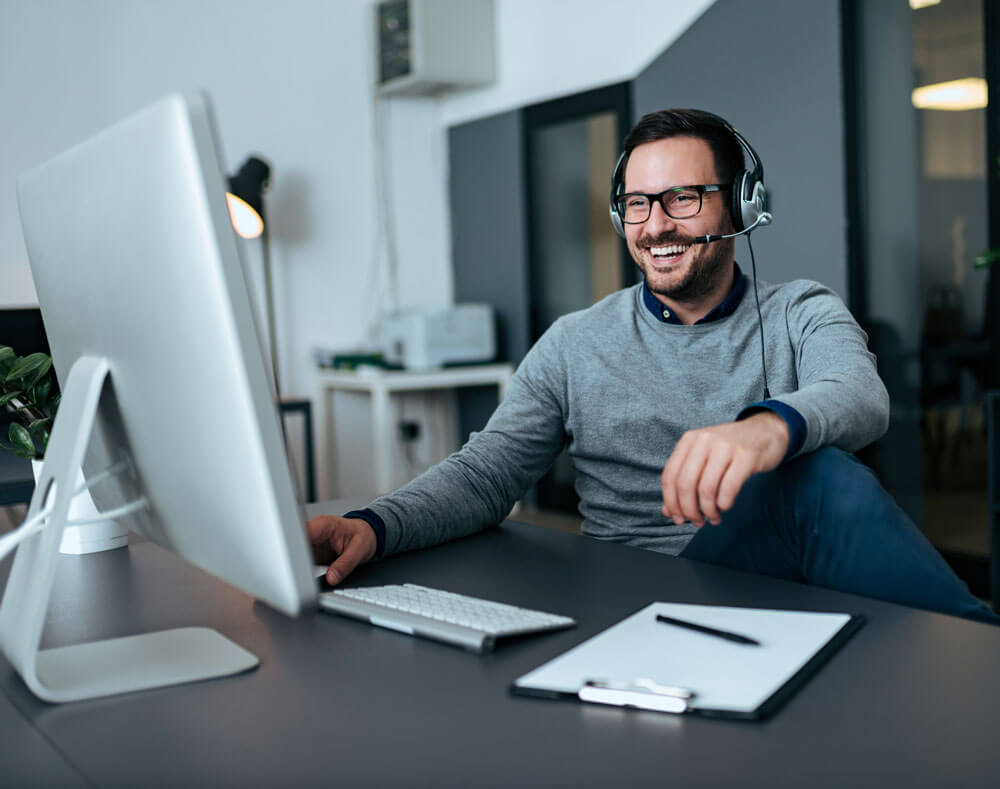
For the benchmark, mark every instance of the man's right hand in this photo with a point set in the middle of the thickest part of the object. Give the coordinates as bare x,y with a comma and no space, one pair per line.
343,543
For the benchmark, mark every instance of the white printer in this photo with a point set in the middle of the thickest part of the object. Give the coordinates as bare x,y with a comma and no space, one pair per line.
423,339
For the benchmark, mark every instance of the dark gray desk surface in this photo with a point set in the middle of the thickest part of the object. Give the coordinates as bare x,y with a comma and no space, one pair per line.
911,700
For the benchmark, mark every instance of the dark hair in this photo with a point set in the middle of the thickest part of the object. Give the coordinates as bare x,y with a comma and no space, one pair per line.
726,149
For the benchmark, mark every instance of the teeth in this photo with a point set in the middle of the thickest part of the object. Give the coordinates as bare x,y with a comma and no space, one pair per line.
670,251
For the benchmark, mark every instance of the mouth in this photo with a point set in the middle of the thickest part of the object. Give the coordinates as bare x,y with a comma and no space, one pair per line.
670,253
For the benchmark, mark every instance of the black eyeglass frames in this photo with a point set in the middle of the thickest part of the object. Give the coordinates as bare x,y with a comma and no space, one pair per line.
678,202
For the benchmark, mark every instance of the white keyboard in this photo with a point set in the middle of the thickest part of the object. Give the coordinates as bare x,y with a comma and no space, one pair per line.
469,622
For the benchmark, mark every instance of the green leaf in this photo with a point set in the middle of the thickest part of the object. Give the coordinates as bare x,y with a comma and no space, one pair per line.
40,427
4,399
29,365
21,439
42,390
41,373
7,357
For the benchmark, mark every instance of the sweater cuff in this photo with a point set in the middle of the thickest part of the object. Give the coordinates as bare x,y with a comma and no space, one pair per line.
795,421
378,526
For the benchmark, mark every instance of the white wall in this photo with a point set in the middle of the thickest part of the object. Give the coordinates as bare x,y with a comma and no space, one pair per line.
552,48
289,80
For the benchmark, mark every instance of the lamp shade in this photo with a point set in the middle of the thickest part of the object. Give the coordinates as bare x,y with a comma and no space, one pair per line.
246,196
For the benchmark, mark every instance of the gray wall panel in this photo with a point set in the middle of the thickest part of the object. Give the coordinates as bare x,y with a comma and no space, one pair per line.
772,68
489,240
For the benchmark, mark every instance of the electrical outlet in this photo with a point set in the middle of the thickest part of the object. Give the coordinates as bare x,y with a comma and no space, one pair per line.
409,431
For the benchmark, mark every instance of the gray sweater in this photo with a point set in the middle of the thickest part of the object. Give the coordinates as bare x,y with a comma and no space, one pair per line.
618,388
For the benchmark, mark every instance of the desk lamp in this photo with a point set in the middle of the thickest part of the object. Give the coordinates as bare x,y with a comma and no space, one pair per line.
246,210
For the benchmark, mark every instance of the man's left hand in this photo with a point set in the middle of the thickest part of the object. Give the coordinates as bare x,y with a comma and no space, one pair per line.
708,466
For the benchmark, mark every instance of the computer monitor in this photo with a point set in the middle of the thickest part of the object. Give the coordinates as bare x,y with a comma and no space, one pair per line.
145,302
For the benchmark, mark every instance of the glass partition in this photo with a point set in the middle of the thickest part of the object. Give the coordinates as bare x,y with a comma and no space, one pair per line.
920,186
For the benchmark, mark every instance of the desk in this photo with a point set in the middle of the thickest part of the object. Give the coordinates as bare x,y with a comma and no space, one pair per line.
909,701
381,386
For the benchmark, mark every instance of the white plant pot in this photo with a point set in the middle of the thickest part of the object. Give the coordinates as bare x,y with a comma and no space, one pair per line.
102,535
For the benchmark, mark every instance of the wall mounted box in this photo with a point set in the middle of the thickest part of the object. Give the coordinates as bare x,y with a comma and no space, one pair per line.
429,46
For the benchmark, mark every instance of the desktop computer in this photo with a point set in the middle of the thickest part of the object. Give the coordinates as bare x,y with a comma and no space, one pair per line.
166,401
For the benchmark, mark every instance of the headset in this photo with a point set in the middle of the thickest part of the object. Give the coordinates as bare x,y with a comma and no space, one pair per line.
749,200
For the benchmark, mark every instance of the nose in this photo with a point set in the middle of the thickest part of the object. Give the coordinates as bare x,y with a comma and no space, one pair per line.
659,221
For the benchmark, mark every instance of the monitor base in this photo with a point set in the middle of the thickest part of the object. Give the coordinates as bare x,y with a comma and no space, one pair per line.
150,660
100,668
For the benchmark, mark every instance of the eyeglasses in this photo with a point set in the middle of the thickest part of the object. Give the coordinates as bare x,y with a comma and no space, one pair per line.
681,202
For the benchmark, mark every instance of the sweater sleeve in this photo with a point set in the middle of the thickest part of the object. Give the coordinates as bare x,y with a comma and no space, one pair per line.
477,486
840,395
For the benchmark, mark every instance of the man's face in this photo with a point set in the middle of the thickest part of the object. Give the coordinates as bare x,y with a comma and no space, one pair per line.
661,246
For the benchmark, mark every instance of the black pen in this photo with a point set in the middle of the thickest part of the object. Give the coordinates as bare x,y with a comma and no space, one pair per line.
711,631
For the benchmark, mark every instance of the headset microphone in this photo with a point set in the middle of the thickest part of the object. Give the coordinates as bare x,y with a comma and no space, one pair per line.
764,219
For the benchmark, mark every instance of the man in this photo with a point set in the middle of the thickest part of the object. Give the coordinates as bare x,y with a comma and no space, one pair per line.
660,395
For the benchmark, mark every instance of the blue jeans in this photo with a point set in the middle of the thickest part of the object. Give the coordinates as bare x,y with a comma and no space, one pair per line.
823,518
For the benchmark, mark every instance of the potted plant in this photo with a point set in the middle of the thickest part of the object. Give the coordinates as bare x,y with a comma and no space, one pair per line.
28,391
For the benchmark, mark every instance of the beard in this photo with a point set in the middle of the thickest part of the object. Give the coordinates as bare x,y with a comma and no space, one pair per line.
703,274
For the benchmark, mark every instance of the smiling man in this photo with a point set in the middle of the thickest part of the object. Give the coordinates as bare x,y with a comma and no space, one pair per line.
663,399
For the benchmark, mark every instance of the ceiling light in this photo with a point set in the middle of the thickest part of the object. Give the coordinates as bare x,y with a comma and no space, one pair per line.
918,4
959,94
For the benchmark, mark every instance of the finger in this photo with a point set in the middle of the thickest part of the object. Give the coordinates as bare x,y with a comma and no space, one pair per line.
708,487
736,475
668,480
320,531
357,550
688,479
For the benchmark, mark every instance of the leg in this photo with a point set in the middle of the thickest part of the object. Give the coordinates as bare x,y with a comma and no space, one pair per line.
824,518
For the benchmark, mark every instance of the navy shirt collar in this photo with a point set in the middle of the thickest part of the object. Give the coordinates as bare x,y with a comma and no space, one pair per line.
722,310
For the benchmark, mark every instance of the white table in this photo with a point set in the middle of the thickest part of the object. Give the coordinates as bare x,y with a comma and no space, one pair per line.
381,386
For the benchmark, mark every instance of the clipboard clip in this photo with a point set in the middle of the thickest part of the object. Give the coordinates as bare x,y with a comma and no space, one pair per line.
644,694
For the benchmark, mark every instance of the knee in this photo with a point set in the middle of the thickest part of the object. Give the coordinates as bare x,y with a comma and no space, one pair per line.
837,482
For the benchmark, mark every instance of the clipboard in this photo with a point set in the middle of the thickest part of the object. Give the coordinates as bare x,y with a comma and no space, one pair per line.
646,663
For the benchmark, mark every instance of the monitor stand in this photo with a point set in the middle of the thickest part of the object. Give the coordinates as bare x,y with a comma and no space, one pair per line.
98,668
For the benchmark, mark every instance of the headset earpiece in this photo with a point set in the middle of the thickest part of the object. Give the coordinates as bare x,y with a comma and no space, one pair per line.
749,192
617,184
